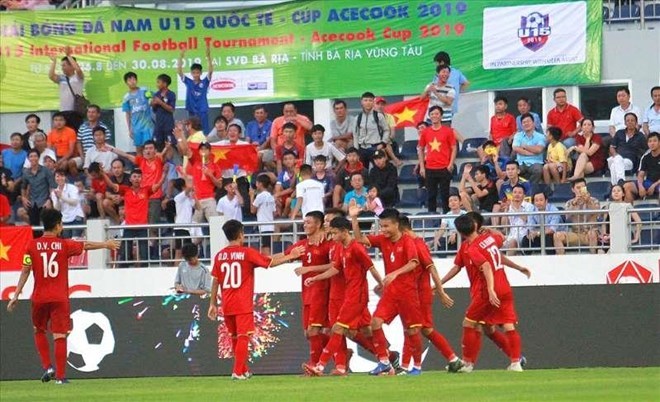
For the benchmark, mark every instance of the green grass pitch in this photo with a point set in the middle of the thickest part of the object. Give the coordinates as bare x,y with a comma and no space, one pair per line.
599,384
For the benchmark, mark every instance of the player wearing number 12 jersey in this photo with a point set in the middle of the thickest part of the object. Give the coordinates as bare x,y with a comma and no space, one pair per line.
48,258
233,274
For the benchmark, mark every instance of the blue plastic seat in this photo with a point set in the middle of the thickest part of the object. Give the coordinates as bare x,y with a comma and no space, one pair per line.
600,190
625,13
470,145
563,192
409,149
652,12
412,198
406,176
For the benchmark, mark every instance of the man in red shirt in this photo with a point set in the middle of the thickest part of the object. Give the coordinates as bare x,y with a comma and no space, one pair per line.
564,116
206,177
5,209
502,129
351,259
437,151
315,298
400,295
48,258
233,274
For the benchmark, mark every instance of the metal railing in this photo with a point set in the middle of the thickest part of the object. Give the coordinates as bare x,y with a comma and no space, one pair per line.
648,230
622,11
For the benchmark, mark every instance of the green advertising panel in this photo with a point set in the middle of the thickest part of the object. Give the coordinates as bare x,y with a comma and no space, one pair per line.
303,49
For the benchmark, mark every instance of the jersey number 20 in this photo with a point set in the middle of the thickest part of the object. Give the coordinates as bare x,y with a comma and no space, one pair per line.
232,275
51,266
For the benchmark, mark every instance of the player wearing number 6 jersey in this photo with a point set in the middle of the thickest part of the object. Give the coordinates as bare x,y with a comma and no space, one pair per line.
233,273
48,258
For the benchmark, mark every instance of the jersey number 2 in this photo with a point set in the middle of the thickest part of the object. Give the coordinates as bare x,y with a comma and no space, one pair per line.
497,257
51,267
232,275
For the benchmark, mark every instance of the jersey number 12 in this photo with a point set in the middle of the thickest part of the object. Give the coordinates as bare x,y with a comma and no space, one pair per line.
497,257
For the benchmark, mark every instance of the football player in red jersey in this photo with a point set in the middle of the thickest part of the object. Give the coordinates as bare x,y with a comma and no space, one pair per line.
314,299
492,297
48,258
233,274
400,295
352,260
428,272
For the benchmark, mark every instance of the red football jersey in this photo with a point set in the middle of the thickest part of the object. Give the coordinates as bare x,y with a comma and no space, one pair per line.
486,248
233,268
136,204
337,282
315,254
49,258
396,255
354,262
152,171
204,187
425,262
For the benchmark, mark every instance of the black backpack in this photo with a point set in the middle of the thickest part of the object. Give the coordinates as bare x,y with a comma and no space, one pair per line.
359,121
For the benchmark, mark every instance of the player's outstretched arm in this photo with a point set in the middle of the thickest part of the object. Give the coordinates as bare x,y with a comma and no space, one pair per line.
353,212
376,275
314,268
509,263
452,273
490,284
98,245
213,301
444,297
25,274
279,259
322,276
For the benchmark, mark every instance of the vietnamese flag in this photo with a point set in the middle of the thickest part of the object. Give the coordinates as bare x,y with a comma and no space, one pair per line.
13,243
408,113
245,156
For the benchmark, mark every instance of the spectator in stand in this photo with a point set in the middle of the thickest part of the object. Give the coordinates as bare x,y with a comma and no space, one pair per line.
184,205
7,184
482,194
197,104
96,193
71,82
502,129
289,145
343,178
231,204
564,116
263,205
62,140
289,115
342,126
648,175
374,204
192,277
590,151
323,176
112,200
24,4
385,177
163,103
446,237
228,111
616,197
37,181
5,210
379,106
65,198
99,152
441,94
651,119
551,225
138,113
496,164
258,134
32,122
516,224
286,184
358,194
627,146
319,147
437,152
557,164
219,131
421,182
136,209
85,137
206,177
41,145
456,77
618,114
239,175
583,231
15,156
506,188
529,146
309,194
371,129
524,106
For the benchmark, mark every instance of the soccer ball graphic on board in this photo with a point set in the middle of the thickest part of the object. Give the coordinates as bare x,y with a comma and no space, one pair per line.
90,341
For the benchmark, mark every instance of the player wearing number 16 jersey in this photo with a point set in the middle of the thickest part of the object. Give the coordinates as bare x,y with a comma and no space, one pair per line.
233,273
48,258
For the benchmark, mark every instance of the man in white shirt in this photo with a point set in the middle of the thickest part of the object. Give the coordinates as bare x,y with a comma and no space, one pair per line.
320,147
66,199
100,152
617,116
309,193
230,205
651,120
41,145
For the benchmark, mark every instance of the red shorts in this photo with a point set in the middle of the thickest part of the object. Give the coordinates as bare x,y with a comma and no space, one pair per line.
57,313
240,324
426,311
315,315
333,309
353,316
406,307
481,311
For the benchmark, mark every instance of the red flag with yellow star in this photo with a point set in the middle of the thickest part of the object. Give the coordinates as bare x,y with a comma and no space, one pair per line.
227,156
13,243
408,113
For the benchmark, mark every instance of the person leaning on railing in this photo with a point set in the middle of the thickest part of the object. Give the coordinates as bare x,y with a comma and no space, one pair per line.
583,231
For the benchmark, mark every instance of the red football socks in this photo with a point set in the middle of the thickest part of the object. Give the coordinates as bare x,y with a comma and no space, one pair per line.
380,344
340,354
334,344
366,343
407,351
60,358
417,348
500,340
315,348
241,355
515,345
41,341
471,344
441,343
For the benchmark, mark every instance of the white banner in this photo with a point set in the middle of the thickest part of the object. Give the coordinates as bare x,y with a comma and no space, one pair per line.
546,271
235,84
534,35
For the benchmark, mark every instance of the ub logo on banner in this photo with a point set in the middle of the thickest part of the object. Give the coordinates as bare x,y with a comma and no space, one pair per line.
534,30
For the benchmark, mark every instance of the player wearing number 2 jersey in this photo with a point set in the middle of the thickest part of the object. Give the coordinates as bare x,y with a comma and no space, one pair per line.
48,258
233,274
